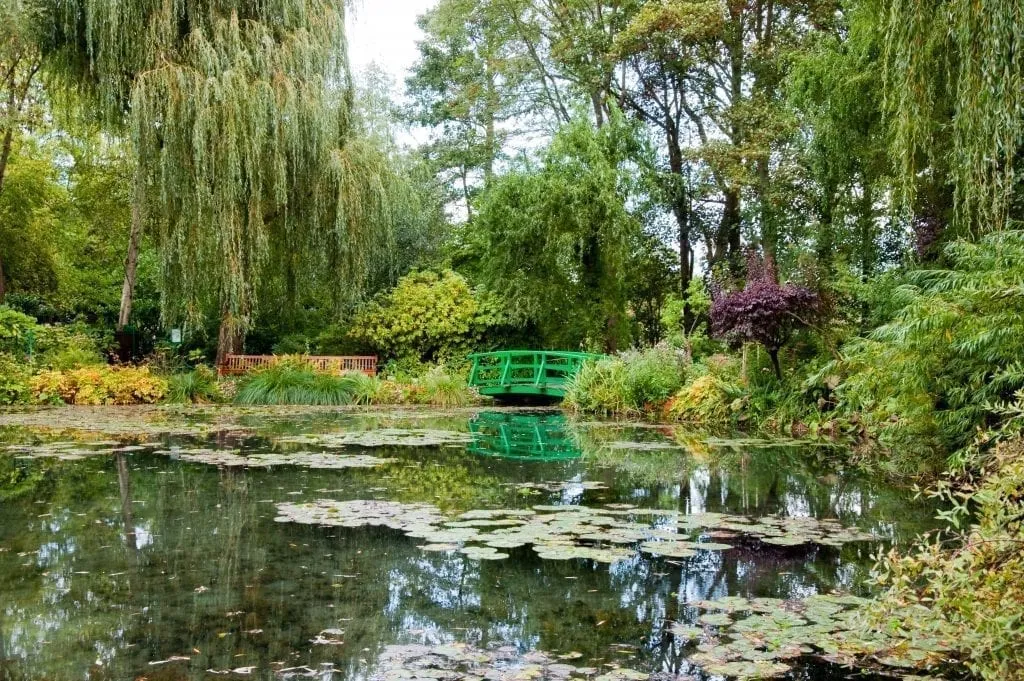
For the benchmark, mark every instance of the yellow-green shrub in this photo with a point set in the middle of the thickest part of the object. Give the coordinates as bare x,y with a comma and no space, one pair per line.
967,585
14,380
98,386
704,401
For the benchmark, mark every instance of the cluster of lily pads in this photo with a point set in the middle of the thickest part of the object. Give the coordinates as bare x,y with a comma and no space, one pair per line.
762,638
607,534
461,662
70,451
555,487
235,459
383,437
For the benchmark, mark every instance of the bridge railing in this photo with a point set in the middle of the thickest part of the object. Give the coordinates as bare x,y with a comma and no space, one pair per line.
235,365
539,369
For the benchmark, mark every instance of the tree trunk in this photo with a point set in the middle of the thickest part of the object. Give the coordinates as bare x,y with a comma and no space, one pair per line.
491,135
231,337
681,210
597,102
825,243
727,238
131,261
5,154
769,233
774,354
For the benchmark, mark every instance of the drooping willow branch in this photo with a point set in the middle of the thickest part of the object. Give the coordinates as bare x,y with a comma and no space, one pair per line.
240,112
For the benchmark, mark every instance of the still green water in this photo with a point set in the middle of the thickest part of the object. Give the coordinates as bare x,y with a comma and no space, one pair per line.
138,564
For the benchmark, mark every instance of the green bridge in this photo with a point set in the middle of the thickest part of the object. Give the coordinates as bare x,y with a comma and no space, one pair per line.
515,374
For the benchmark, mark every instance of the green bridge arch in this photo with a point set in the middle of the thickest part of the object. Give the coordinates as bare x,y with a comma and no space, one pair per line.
526,373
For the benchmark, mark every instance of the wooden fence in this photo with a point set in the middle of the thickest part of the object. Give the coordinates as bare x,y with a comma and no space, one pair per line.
235,365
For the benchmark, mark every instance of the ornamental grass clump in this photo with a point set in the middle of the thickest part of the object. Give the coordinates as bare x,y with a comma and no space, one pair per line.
198,386
445,390
631,383
600,387
294,381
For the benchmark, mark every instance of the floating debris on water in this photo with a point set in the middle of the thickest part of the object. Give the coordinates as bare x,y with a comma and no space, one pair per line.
383,437
461,662
604,535
315,460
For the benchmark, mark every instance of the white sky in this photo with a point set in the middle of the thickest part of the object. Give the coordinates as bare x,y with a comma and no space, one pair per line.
384,32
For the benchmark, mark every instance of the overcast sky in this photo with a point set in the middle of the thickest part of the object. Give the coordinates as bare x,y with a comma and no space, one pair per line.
384,31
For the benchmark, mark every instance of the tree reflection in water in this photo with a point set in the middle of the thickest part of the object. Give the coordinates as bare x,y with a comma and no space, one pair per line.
114,562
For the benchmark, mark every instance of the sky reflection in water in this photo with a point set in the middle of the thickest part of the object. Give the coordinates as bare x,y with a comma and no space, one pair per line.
117,561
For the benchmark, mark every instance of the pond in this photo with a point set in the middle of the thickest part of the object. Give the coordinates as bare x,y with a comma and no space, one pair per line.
501,545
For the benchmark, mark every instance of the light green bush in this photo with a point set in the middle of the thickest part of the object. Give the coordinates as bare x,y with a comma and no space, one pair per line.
63,348
198,386
630,383
446,390
15,380
15,329
600,387
428,316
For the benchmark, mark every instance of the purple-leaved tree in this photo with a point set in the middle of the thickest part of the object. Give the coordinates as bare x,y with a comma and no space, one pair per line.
764,311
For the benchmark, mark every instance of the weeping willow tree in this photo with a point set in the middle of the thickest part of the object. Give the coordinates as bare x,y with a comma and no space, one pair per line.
240,113
955,92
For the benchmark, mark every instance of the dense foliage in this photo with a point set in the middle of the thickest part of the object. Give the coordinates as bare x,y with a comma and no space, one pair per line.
973,595
428,316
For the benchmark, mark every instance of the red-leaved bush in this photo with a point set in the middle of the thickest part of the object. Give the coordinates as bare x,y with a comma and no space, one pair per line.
764,311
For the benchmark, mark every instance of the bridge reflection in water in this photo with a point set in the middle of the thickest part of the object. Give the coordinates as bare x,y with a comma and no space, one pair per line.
523,436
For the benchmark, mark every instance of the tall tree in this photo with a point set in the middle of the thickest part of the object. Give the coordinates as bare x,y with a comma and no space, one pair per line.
721,66
465,87
836,91
19,65
240,114
557,240
241,118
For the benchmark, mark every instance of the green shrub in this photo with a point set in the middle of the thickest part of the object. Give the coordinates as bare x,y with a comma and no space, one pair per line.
294,381
406,369
15,331
928,379
292,344
64,348
599,387
445,390
630,383
653,376
15,378
969,592
100,385
428,316
198,386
